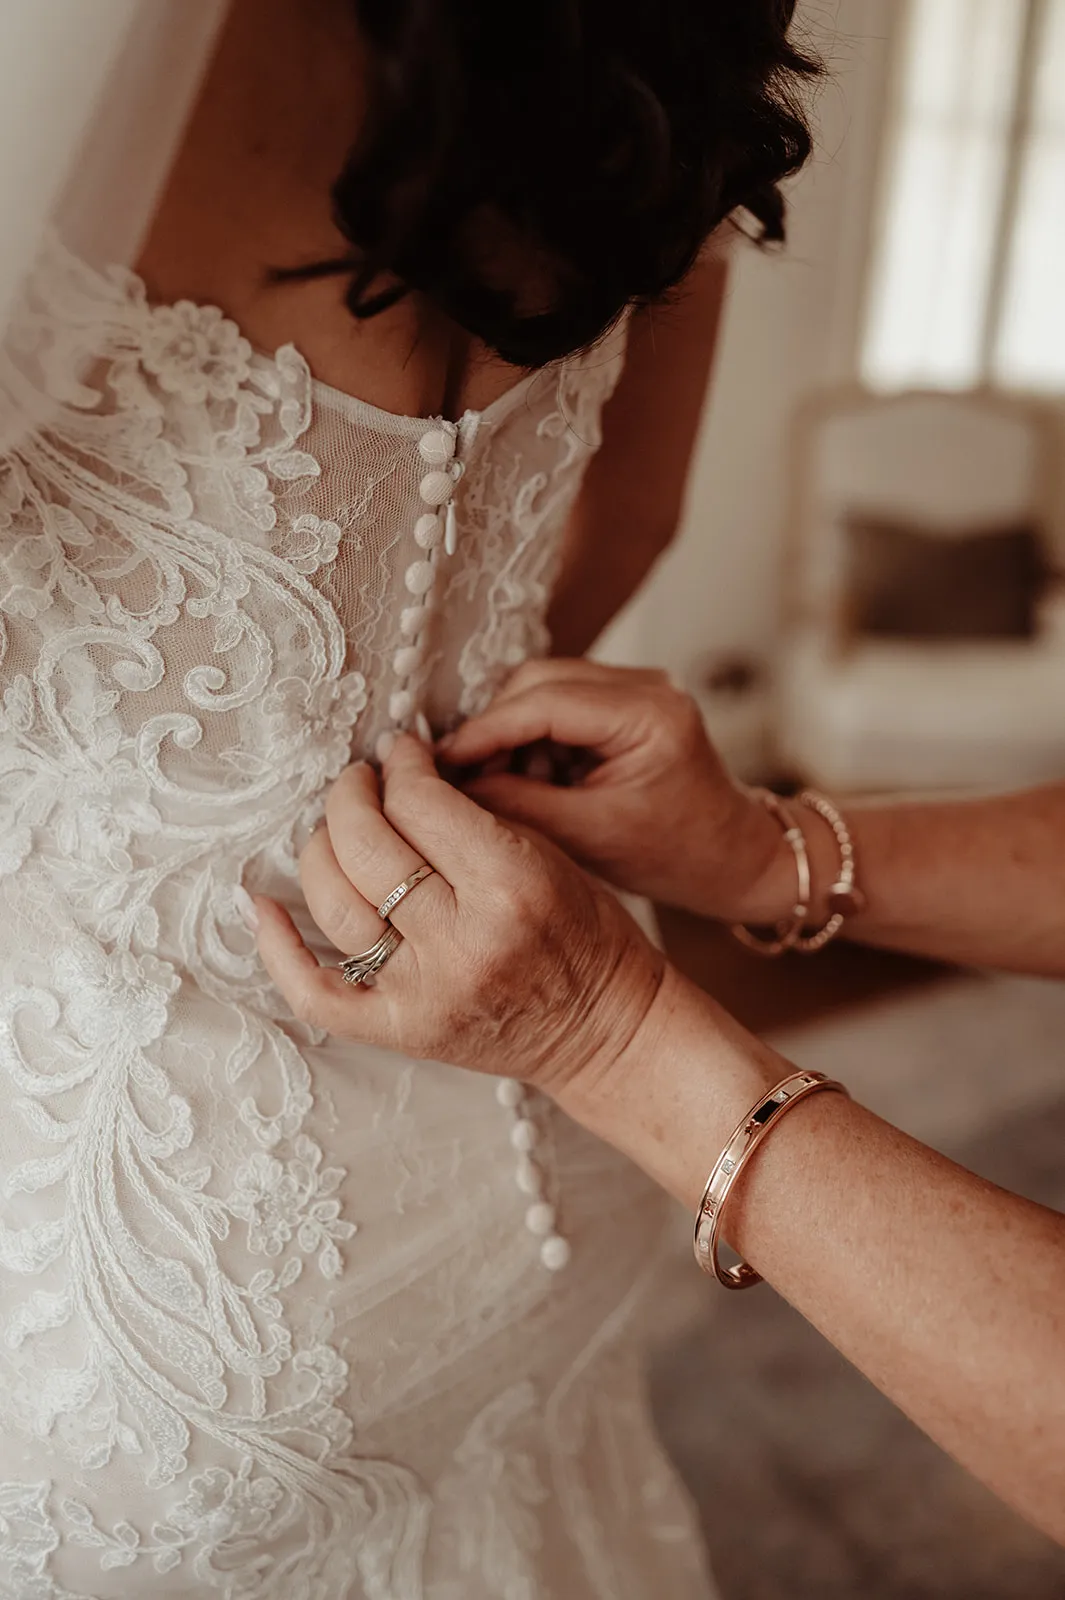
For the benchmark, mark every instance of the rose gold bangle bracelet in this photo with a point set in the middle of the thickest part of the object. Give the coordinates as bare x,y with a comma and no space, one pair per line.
844,898
787,932
745,1139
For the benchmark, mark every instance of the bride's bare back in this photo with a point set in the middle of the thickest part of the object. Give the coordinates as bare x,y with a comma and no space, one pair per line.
250,191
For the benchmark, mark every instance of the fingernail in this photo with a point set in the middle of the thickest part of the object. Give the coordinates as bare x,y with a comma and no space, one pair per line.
425,733
384,746
246,907
445,744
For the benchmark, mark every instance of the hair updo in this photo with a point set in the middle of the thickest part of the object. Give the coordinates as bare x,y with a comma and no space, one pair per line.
534,169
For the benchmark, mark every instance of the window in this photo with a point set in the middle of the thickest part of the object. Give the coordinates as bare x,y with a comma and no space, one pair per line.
967,280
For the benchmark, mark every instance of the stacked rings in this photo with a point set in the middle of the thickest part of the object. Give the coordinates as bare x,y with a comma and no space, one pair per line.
357,969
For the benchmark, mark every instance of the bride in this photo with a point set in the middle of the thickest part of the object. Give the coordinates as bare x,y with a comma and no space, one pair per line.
281,1317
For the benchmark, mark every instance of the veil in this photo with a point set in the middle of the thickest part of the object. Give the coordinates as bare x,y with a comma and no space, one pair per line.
94,96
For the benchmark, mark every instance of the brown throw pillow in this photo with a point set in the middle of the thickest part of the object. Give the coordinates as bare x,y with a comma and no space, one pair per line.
907,583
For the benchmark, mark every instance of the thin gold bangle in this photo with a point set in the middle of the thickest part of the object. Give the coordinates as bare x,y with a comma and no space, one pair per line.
787,932
743,1142
844,897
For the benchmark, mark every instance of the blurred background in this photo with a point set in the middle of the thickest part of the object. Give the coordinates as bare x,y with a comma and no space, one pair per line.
869,595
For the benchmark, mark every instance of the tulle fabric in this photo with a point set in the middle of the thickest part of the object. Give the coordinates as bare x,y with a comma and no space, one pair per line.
94,95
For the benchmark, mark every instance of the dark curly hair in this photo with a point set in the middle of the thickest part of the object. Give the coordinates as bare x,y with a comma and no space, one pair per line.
533,170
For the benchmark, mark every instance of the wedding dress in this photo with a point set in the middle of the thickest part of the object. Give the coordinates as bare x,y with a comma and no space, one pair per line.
275,1319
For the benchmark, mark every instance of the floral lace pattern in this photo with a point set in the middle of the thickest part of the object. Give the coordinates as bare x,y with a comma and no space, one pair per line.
205,570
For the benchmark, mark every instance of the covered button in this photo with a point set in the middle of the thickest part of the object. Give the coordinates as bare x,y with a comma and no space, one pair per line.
427,530
555,1253
406,660
436,487
529,1177
419,577
436,447
523,1135
540,1219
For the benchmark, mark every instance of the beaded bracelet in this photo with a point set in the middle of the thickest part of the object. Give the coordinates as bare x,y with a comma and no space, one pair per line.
844,897
744,1140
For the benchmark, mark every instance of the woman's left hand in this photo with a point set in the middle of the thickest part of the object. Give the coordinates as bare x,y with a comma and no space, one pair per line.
513,961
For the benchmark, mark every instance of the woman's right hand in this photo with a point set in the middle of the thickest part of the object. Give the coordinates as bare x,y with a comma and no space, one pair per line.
657,814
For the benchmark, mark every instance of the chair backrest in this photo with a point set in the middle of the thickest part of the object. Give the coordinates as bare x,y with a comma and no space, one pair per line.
951,464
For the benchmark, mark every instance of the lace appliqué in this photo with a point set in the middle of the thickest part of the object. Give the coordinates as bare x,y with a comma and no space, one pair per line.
28,1540
517,510
199,626
149,1297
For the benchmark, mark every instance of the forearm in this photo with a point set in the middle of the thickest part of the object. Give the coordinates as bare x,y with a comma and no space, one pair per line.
947,1292
978,882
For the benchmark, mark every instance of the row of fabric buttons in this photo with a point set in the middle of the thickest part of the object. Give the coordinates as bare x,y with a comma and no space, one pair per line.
436,532
540,1216
435,529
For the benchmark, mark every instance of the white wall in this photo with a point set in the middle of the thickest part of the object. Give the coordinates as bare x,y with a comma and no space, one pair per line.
790,326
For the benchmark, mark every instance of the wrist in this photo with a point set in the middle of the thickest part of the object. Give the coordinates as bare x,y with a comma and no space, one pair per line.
751,875
671,1096
769,893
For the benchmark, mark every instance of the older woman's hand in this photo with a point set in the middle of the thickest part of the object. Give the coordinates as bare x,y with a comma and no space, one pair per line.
657,813
512,959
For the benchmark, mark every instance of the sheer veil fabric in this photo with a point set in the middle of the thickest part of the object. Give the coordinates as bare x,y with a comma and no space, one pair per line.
93,101
275,1322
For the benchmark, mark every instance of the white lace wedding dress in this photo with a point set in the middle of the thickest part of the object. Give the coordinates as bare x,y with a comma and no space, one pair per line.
272,1323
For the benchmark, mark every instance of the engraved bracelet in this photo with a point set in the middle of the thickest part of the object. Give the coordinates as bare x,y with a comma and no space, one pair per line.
745,1139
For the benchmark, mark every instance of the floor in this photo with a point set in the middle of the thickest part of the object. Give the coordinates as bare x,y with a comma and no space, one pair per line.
810,1485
